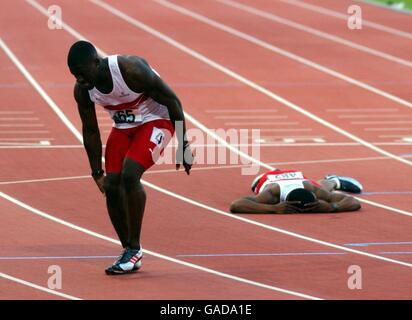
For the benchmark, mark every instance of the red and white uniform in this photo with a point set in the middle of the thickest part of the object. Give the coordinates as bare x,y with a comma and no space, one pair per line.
140,124
288,180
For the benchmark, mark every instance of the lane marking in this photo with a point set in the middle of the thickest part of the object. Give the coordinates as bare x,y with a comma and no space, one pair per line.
251,110
155,254
208,168
386,193
353,110
275,49
387,129
164,191
367,244
57,258
336,14
37,287
235,75
316,32
368,116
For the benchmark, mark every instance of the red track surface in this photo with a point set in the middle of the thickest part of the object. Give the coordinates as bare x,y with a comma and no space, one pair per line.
173,227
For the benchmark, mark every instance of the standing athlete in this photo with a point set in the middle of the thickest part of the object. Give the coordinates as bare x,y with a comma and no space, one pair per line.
290,191
145,112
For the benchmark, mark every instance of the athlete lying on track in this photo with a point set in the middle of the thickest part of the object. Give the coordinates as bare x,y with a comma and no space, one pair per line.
289,191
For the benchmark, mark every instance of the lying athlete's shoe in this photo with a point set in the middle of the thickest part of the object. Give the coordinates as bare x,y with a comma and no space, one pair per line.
346,184
130,261
256,182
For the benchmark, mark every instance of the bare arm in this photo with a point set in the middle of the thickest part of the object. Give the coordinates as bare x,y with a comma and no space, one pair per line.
334,202
90,128
265,202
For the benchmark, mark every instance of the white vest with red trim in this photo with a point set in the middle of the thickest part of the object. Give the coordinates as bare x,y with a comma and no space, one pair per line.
127,108
288,180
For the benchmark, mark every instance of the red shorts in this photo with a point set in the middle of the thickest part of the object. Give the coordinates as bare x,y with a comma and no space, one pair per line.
139,144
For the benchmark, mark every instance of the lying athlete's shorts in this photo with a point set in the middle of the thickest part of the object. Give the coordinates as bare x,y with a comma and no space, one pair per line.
140,144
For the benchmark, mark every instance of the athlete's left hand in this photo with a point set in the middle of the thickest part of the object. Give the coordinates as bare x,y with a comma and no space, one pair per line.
184,155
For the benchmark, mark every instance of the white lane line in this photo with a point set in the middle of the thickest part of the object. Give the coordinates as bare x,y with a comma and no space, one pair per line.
272,48
22,145
316,32
19,119
40,145
250,83
155,254
23,131
371,116
354,110
25,139
380,122
251,117
393,136
206,168
16,112
201,126
342,16
251,110
260,123
37,287
31,125
40,90
387,129
287,130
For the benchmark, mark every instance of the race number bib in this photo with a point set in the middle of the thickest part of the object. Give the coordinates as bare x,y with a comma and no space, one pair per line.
285,176
126,116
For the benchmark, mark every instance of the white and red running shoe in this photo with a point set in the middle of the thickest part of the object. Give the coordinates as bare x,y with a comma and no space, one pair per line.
129,261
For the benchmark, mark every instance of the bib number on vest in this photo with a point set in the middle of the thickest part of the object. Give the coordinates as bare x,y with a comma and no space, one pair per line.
124,116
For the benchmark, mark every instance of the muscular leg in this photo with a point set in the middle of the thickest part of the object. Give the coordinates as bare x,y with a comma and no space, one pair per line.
135,199
115,207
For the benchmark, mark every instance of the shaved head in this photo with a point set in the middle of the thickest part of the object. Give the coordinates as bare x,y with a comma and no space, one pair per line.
81,53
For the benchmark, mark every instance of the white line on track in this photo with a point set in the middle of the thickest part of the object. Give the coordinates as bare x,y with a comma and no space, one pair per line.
354,110
164,191
251,117
249,83
264,45
19,119
206,168
371,116
37,287
387,129
260,123
381,122
155,254
343,16
316,32
16,112
251,110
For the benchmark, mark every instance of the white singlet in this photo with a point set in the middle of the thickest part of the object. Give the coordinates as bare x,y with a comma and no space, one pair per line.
128,109
287,181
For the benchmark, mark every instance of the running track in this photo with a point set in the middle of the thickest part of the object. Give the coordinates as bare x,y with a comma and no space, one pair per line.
217,57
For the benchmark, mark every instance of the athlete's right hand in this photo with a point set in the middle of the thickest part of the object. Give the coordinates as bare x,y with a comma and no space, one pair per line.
287,207
100,183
